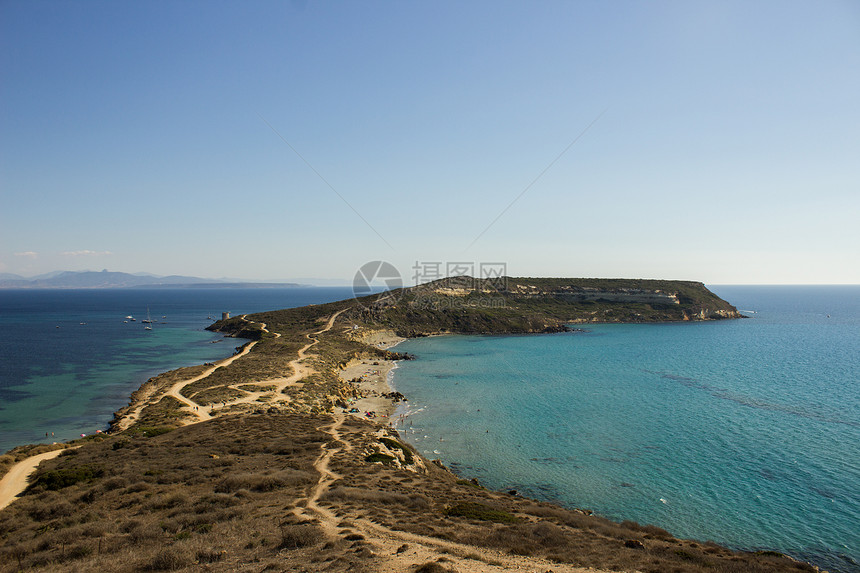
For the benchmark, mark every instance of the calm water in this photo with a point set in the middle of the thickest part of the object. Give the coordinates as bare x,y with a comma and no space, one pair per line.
70,380
744,432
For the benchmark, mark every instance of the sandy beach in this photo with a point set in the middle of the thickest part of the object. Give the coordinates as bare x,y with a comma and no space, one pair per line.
372,378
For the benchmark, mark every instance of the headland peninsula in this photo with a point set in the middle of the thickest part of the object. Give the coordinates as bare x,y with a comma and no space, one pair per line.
281,457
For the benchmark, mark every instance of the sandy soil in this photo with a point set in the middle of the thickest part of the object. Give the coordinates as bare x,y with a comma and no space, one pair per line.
397,551
15,480
373,374
384,339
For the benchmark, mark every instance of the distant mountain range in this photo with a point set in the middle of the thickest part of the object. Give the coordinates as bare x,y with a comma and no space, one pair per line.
109,279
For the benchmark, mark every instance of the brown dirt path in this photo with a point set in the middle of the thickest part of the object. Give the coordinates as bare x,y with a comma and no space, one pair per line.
300,371
202,413
15,480
397,551
190,406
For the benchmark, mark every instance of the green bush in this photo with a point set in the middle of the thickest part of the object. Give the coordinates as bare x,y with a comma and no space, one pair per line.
150,431
378,457
59,479
479,511
395,445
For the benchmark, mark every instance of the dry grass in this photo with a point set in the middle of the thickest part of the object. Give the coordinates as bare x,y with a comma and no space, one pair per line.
223,494
166,412
165,502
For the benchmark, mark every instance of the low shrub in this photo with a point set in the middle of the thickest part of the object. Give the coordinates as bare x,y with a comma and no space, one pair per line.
150,431
169,559
479,511
375,498
408,458
432,567
379,457
209,555
469,483
80,551
52,508
548,534
115,482
263,482
59,479
176,499
299,535
215,500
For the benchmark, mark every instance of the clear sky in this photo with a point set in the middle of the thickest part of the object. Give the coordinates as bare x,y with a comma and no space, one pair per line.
717,141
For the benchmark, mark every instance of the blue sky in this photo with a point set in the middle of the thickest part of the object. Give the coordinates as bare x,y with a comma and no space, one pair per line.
723,143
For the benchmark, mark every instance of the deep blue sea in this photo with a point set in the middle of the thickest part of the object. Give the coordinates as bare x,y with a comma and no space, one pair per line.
68,359
745,432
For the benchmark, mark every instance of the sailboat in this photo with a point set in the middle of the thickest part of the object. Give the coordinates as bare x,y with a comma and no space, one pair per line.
148,321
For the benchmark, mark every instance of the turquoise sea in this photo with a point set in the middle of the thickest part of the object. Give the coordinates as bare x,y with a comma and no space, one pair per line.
745,432
68,359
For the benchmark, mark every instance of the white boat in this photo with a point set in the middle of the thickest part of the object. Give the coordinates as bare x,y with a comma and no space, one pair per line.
147,322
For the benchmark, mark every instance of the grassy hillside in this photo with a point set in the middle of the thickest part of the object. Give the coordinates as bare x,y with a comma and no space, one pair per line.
513,305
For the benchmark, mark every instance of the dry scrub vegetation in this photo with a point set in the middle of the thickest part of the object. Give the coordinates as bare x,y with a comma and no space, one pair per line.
298,489
225,493
219,492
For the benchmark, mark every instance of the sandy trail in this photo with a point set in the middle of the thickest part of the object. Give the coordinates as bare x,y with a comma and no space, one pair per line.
327,519
15,480
190,406
175,391
300,371
202,413
398,551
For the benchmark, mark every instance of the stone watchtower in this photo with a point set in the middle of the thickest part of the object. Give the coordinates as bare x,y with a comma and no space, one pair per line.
225,315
